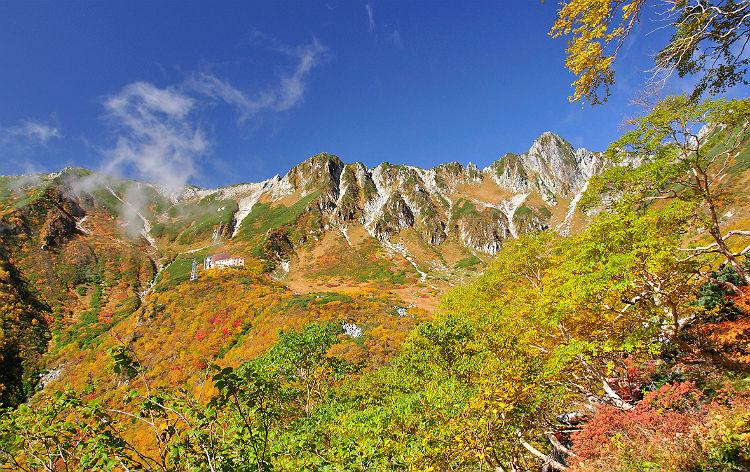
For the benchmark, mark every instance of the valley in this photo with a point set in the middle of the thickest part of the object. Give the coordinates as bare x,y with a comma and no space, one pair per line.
395,261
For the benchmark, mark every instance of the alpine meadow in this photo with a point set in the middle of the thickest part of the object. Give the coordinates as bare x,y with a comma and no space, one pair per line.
553,308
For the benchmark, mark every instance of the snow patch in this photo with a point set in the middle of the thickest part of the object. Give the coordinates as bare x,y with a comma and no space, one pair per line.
152,283
342,188
373,208
282,187
509,207
428,178
79,225
401,249
345,231
51,376
195,250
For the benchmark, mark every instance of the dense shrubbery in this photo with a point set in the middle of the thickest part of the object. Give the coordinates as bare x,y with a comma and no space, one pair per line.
24,333
674,428
556,330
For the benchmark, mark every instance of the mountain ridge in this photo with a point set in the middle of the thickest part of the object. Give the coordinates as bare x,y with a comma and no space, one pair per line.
104,256
439,224
353,192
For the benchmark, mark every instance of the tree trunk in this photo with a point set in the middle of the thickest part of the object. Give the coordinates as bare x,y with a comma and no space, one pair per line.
715,229
538,454
726,252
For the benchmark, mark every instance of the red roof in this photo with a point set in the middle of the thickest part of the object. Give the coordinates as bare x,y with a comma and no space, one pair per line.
219,257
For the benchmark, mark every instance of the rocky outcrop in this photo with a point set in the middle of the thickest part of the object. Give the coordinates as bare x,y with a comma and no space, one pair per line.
54,213
58,225
320,172
483,232
439,203
551,168
389,198
395,215
278,246
351,196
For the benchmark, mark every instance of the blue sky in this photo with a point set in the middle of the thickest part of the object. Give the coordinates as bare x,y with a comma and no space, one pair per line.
216,93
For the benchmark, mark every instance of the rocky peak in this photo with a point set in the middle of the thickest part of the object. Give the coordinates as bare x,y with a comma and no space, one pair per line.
322,169
389,198
449,202
550,167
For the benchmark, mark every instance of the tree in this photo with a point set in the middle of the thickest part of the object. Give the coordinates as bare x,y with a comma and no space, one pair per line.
300,357
709,41
681,161
559,322
261,414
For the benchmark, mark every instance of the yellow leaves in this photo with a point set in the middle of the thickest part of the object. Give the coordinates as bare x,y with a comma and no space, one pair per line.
586,18
597,34
628,10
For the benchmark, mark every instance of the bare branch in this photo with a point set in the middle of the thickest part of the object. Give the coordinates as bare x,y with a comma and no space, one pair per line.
535,452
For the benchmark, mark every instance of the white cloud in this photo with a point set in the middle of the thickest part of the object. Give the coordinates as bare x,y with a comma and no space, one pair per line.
292,89
393,37
216,89
158,139
159,133
286,94
29,133
630,41
370,17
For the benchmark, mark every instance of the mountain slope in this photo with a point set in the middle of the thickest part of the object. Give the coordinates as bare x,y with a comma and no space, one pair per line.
101,252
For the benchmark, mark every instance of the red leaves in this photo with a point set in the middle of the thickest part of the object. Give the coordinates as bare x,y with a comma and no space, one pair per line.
676,397
663,421
731,337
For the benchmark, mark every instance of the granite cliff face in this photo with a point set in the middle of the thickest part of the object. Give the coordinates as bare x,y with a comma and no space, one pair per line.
476,208
551,168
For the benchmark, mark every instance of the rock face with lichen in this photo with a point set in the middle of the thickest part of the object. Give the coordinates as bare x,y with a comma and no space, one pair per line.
551,168
440,203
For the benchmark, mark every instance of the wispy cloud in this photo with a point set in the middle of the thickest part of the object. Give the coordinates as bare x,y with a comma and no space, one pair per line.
286,94
214,88
396,38
158,139
393,36
293,86
158,131
370,17
630,41
20,142
29,133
